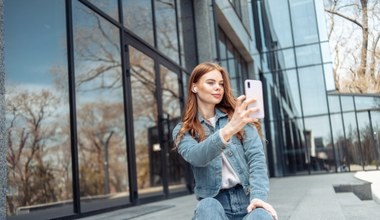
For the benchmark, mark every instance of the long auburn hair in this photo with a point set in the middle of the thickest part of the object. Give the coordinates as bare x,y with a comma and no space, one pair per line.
190,122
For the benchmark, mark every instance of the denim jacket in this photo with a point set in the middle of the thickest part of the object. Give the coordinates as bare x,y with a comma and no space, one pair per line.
246,157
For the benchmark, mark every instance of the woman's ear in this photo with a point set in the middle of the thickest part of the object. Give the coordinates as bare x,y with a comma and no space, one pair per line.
194,89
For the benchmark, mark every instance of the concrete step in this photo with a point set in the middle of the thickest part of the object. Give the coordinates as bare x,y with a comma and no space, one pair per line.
353,208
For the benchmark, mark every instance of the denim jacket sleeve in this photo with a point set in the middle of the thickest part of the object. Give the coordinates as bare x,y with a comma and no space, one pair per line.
199,154
257,167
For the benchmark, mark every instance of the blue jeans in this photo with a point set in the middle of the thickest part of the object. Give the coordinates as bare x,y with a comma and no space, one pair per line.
229,204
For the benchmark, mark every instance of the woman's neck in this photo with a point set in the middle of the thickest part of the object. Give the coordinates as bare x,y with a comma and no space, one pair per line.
207,111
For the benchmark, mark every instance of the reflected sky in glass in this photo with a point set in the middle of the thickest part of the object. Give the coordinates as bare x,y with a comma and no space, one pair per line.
35,40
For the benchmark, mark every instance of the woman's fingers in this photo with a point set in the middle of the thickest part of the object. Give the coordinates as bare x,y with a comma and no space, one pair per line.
257,203
239,101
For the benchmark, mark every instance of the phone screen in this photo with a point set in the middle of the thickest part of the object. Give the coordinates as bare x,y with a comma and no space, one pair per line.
254,89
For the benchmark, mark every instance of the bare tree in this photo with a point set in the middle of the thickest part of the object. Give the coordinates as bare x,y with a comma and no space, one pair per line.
29,133
354,33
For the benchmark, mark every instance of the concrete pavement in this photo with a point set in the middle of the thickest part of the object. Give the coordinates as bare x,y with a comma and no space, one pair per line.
298,197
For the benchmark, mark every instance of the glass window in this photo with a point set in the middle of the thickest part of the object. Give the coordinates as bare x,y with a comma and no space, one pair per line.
166,28
99,110
352,141
329,77
37,112
138,18
222,49
313,91
320,148
340,146
367,146
292,89
172,113
326,53
347,103
308,55
334,103
365,103
109,7
187,34
320,9
375,118
303,17
145,116
288,58
279,12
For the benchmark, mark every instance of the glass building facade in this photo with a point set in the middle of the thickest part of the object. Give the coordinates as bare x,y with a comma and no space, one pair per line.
94,88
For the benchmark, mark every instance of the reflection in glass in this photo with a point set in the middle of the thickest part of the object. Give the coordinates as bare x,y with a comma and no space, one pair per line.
109,7
145,123
138,18
334,103
100,110
313,91
172,113
347,103
375,119
37,125
186,33
281,22
222,49
292,91
341,151
318,141
352,141
294,148
329,77
166,31
308,55
326,54
232,68
365,103
367,145
288,56
304,21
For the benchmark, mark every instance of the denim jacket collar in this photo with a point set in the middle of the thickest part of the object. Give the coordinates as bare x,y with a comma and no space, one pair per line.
218,114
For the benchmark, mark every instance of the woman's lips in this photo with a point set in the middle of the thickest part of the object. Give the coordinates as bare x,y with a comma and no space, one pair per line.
217,95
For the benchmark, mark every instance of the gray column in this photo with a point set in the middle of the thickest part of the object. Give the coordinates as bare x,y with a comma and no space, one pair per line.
205,30
3,149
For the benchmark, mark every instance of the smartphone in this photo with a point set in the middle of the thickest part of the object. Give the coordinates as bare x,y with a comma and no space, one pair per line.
254,89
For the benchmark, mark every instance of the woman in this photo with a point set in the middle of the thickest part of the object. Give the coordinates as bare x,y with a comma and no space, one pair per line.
217,137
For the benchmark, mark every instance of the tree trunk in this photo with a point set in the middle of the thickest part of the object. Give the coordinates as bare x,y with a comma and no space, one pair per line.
364,49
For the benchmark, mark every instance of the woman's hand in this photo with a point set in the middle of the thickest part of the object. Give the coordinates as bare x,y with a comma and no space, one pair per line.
257,203
240,117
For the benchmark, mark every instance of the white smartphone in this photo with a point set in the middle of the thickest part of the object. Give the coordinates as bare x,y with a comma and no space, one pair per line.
254,89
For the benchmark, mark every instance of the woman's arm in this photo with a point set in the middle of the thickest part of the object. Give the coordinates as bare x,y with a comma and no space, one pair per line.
257,167
199,154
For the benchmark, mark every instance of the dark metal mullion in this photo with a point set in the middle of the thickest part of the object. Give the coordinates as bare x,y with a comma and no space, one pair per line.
177,28
161,124
344,133
358,132
128,112
373,139
72,101
154,23
216,26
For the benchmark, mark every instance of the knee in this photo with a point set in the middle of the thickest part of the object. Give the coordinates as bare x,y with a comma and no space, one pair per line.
208,208
260,214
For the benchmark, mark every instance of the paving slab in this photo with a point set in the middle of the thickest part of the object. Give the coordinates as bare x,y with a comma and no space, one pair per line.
309,197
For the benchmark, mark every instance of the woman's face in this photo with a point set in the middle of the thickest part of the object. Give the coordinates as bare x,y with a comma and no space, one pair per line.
209,89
